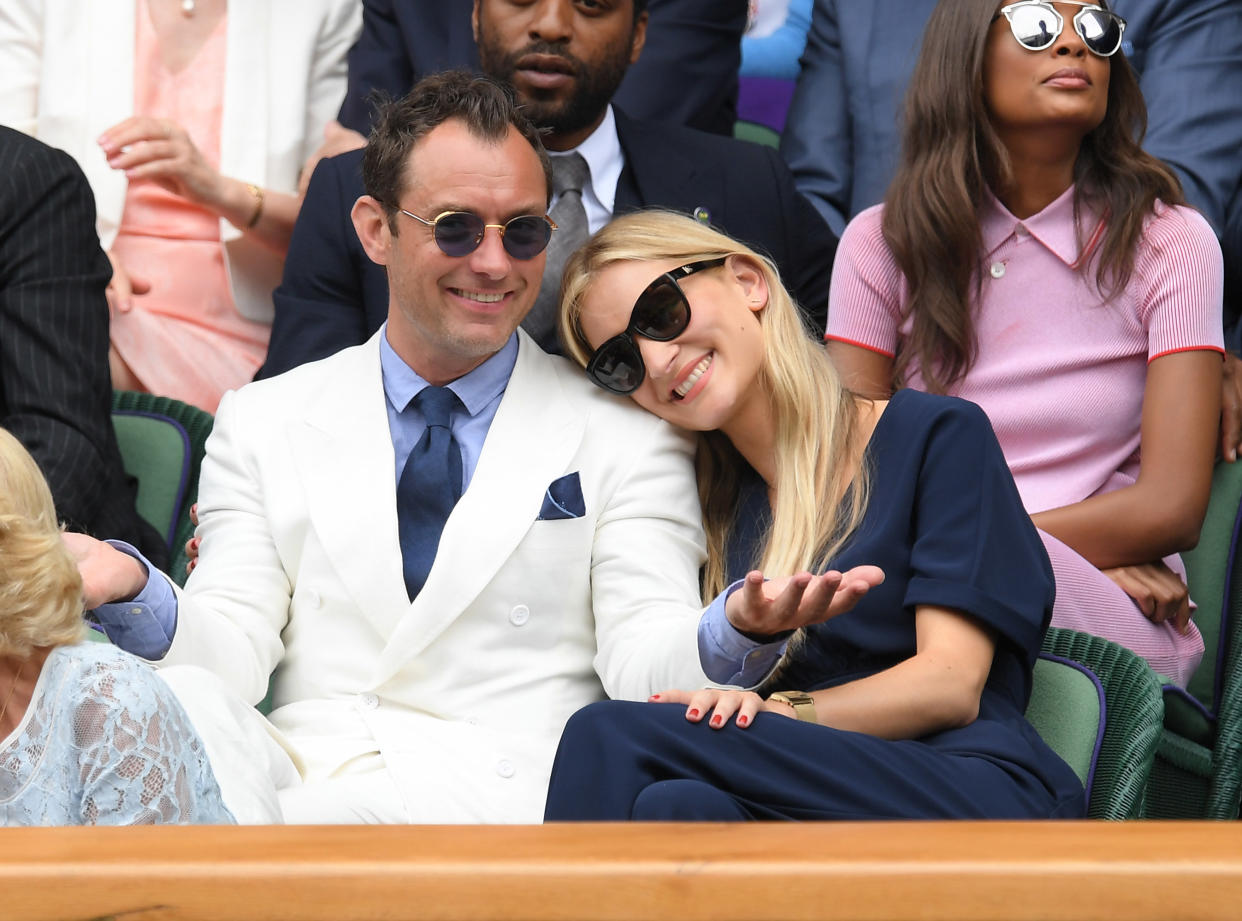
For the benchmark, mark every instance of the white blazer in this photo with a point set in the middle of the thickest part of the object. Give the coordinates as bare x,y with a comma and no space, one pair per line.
464,691
284,80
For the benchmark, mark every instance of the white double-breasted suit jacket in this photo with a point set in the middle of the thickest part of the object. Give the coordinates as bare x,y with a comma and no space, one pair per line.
464,691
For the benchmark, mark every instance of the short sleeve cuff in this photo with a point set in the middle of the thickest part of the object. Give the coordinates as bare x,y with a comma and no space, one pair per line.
1011,624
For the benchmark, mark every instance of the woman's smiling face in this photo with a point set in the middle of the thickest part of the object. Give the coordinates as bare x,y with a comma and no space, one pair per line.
700,379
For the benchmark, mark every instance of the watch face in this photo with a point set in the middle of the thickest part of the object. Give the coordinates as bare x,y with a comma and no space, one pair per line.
802,703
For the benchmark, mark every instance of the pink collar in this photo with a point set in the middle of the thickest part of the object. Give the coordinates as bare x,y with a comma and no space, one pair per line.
1053,227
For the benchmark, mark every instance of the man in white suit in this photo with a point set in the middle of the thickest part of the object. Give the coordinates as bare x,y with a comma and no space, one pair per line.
447,707
566,570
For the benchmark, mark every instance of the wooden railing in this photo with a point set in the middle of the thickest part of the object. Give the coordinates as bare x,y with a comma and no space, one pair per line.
959,871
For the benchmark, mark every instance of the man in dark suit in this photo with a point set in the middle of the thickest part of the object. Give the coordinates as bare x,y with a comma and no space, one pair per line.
55,393
565,65
693,45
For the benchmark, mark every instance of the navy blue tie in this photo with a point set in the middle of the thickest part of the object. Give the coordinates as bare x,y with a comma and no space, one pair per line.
429,487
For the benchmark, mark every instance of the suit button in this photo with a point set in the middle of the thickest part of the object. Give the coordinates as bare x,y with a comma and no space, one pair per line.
998,270
519,615
367,701
505,768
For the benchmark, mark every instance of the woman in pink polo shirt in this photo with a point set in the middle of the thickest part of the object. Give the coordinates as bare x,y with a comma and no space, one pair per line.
1032,258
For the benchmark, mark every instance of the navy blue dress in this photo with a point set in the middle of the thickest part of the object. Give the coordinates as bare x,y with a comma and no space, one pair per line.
947,526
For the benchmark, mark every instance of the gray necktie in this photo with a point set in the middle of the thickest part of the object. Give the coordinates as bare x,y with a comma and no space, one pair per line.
570,174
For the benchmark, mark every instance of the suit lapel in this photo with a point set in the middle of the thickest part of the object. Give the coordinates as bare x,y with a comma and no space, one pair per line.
344,455
245,124
106,41
532,440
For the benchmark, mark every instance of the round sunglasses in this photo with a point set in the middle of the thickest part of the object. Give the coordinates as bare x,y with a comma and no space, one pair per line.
661,312
1036,24
459,233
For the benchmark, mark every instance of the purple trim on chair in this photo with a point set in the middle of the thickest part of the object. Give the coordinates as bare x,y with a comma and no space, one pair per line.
183,485
1194,702
1099,732
1222,647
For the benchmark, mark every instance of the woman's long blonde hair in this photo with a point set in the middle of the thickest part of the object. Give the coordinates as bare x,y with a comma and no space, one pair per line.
40,589
817,418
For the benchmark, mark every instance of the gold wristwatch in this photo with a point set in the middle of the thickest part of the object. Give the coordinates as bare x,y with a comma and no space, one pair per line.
802,702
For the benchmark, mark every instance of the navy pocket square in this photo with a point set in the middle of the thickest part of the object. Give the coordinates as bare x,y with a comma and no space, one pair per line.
563,499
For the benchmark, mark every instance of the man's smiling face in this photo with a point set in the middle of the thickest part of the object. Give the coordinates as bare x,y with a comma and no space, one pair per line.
447,315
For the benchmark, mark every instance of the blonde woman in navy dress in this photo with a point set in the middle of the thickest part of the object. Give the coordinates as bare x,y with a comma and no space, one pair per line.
911,703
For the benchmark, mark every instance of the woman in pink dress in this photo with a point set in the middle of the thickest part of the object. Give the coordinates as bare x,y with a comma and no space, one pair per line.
1032,258
191,119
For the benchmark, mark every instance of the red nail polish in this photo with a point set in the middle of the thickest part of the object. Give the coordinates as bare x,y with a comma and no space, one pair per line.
716,720
654,697
743,720
693,714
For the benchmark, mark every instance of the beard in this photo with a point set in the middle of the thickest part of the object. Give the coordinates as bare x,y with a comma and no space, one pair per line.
593,87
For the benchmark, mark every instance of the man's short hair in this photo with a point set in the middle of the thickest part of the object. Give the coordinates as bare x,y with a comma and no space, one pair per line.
487,108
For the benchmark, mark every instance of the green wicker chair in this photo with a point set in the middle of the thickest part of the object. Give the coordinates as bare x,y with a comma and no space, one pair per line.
162,445
1099,707
1198,771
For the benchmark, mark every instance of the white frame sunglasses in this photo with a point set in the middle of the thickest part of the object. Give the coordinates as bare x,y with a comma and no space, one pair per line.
1090,23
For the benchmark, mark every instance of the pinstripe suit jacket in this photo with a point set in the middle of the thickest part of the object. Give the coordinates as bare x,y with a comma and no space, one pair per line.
54,385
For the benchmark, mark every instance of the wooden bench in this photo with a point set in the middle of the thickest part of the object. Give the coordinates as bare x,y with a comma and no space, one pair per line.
959,871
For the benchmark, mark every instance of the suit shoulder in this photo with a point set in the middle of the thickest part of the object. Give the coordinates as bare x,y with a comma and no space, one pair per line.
23,157
349,162
339,176
302,386
661,135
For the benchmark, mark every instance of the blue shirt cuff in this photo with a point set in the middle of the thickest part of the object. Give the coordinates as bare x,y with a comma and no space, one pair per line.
145,624
728,656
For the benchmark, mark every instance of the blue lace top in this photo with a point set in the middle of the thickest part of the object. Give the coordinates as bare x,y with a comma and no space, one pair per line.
105,742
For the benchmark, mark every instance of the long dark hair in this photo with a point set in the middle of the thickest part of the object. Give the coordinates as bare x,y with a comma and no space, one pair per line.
950,155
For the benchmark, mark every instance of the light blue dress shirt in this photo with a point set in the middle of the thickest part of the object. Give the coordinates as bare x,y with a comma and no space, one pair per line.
479,391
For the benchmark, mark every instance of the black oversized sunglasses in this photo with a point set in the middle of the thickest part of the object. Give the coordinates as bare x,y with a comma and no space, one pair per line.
661,313
1036,24
459,233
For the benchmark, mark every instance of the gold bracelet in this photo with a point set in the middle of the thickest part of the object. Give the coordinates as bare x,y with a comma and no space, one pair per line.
803,704
258,204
